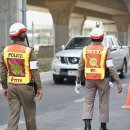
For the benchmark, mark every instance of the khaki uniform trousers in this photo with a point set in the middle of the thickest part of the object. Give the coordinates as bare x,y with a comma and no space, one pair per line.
91,88
21,95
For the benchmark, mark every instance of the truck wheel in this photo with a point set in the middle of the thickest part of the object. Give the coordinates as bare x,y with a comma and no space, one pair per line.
123,70
57,79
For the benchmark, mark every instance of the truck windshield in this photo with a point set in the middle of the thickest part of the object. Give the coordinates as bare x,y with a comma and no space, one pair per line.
104,42
78,43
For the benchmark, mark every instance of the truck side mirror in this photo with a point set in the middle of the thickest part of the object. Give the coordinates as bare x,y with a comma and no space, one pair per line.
113,48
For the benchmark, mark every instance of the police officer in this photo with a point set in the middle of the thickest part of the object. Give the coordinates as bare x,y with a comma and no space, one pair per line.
97,63
19,71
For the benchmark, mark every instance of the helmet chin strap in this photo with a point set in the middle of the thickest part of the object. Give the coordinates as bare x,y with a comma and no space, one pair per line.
26,37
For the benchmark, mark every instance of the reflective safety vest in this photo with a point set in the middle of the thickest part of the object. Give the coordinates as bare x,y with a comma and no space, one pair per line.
95,61
16,58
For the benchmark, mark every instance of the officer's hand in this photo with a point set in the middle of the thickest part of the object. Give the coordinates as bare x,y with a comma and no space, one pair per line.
119,87
5,94
39,93
78,87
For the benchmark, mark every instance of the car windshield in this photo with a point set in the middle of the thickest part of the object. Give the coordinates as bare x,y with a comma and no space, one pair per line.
78,43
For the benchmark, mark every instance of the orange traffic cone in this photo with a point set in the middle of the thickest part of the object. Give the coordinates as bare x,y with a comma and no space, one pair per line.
127,103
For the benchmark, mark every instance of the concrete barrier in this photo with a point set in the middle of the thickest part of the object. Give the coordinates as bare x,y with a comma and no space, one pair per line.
45,51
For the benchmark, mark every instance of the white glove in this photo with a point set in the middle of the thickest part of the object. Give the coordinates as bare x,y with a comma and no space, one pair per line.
78,87
111,84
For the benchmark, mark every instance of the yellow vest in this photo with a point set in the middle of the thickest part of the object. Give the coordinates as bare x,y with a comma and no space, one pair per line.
16,58
95,61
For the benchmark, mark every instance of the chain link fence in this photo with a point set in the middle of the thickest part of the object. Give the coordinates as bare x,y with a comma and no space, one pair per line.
43,39
40,35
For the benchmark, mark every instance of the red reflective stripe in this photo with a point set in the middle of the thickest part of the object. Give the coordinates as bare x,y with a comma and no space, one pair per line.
97,37
20,31
93,76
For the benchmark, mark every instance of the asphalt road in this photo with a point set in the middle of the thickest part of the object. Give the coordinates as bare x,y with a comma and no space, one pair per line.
61,108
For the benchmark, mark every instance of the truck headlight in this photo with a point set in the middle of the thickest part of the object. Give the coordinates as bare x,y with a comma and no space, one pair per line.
56,59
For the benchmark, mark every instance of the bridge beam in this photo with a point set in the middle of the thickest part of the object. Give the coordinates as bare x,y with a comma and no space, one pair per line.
92,13
127,2
108,6
122,23
61,12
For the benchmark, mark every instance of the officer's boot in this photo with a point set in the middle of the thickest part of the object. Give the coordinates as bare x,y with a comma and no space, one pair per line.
87,124
103,126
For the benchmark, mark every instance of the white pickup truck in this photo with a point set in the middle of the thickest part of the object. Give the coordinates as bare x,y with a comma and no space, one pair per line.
65,62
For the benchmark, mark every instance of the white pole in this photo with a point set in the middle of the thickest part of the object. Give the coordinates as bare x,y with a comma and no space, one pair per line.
24,3
54,26
32,34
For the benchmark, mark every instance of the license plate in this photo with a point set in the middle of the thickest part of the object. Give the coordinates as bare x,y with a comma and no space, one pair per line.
72,72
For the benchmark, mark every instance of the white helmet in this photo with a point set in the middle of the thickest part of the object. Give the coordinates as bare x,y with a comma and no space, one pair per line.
97,33
16,29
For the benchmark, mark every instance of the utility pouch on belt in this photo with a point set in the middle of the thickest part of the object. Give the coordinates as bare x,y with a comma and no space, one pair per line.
34,85
35,88
107,73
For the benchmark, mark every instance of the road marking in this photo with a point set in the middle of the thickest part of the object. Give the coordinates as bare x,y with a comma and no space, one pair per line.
4,127
77,128
80,100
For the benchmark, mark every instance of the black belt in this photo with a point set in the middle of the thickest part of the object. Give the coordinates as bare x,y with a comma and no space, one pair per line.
35,87
30,84
107,73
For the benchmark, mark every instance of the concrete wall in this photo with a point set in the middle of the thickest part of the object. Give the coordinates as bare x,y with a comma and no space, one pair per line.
45,51
129,35
10,12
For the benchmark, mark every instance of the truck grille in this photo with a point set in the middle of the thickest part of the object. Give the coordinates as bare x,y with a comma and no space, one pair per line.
69,60
62,59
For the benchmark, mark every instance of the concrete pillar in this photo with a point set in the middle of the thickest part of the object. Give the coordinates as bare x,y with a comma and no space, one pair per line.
122,23
129,34
76,24
127,3
61,12
10,12
110,28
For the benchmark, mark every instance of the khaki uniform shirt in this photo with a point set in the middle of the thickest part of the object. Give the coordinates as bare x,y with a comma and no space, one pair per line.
35,72
112,70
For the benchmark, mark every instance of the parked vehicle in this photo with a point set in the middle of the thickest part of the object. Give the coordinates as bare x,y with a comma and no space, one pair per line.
65,62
